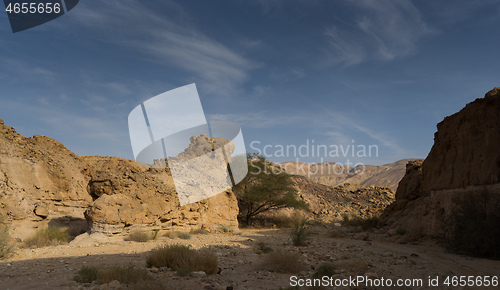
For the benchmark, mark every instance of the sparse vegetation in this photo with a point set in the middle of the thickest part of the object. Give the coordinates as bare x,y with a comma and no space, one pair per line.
48,236
364,222
353,266
300,231
184,236
155,233
474,226
140,236
6,245
264,189
87,274
178,234
182,257
401,231
283,262
324,270
125,275
264,248
199,232
225,229
183,272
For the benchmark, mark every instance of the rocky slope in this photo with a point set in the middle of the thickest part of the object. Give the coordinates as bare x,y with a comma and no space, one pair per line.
331,173
330,203
42,182
463,162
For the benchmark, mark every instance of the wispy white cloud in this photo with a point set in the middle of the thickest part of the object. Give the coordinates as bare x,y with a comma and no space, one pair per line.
339,127
251,43
382,30
27,70
288,74
173,42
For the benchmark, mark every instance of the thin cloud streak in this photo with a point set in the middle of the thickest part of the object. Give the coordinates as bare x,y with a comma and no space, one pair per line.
339,127
383,30
217,67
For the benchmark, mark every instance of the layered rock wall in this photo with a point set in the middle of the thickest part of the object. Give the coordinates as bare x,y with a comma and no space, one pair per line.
464,160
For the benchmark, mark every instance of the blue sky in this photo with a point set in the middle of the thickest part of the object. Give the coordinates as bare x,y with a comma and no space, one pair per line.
377,72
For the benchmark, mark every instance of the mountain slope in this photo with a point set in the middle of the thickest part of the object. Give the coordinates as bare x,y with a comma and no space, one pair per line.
331,173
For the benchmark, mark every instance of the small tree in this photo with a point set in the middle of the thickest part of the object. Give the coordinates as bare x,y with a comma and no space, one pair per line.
266,187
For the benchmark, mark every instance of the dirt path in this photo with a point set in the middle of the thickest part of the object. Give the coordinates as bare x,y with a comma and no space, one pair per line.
242,262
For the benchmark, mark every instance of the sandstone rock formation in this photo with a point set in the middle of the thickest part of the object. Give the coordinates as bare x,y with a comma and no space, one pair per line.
464,160
333,174
42,182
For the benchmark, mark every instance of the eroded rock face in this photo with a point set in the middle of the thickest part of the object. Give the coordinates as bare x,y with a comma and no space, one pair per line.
128,194
42,182
464,160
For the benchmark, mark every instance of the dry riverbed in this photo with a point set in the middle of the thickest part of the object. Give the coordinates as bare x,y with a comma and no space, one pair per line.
242,262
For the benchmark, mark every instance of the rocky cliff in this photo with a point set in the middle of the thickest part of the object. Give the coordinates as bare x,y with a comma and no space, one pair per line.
463,162
42,182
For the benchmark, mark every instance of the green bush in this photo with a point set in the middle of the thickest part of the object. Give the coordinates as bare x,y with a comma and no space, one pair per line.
473,228
300,232
86,275
49,236
324,270
182,257
6,245
266,187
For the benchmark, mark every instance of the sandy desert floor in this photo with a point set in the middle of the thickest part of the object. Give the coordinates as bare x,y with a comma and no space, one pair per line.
243,265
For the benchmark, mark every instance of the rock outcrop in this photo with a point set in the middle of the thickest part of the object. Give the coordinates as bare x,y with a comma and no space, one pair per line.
42,182
464,161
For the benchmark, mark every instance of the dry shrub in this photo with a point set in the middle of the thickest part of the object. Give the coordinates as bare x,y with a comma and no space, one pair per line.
283,262
6,245
199,232
182,257
140,236
87,274
149,285
356,221
178,234
225,229
300,231
49,236
324,270
353,266
125,275
262,247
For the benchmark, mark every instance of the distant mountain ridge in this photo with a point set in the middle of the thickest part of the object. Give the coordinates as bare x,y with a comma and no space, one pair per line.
333,174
